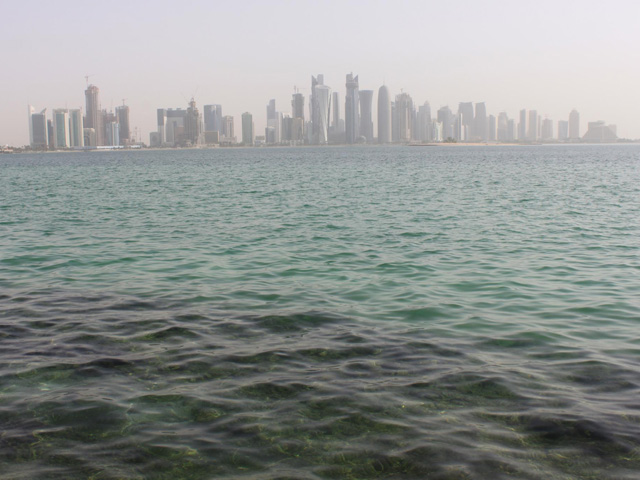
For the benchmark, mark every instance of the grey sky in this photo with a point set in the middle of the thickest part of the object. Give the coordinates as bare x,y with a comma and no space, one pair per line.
546,55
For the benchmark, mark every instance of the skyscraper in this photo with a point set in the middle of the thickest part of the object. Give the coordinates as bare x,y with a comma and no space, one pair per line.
271,110
313,108
297,123
61,138
532,131
574,125
228,129
404,116
247,129
106,119
503,127
546,133
481,126
323,107
213,118
337,123
319,106
297,106
93,118
563,130
522,126
38,131
112,137
424,123
352,109
466,120
491,135
445,117
366,115
511,130
193,124
76,128
272,131
122,117
384,115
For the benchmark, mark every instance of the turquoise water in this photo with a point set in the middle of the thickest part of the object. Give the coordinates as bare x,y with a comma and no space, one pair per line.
437,312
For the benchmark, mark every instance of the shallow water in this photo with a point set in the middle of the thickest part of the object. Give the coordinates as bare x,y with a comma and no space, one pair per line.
446,313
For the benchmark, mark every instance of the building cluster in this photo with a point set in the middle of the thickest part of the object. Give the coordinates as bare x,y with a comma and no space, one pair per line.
69,128
399,120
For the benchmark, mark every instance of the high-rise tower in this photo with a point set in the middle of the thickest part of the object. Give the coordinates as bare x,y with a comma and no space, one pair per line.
466,119
76,128
574,125
313,107
122,117
445,117
271,110
61,138
423,127
193,124
213,118
323,108
522,126
481,126
93,118
297,114
38,131
366,115
352,109
384,115
337,124
247,129
404,116
532,131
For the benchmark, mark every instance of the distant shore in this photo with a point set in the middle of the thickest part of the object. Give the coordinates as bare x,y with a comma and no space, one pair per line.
373,145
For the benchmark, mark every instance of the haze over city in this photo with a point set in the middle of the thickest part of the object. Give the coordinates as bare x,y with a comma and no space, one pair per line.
551,57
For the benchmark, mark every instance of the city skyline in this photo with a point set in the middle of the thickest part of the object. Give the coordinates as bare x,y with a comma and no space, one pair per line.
582,56
408,121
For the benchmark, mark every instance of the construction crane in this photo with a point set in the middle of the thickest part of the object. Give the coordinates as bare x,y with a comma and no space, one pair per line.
86,77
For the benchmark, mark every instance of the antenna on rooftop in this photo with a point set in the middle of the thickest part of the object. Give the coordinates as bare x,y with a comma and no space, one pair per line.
86,77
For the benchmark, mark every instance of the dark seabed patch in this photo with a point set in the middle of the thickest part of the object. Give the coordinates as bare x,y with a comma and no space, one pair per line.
91,389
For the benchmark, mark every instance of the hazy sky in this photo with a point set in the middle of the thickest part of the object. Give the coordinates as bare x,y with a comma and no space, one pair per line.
551,56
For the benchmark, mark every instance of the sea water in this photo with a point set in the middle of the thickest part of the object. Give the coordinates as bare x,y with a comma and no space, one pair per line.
312,313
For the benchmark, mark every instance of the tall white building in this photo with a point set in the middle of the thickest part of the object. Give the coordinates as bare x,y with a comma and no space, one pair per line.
366,115
563,130
337,124
446,118
574,125
481,126
352,109
404,117
322,105
503,127
384,115
532,131
424,123
319,108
